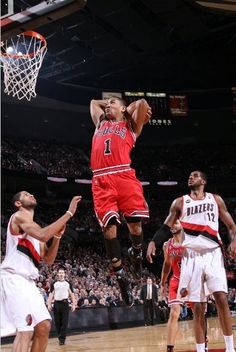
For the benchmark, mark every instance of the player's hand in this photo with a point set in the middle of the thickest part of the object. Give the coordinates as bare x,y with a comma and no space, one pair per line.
73,204
148,114
73,307
151,251
49,307
163,291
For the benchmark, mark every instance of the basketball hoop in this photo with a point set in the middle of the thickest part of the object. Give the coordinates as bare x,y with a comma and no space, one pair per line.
21,58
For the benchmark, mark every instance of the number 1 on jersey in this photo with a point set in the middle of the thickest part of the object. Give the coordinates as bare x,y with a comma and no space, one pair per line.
107,149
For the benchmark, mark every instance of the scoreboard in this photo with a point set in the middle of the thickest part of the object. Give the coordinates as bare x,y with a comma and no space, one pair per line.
182,108
165,107
157,101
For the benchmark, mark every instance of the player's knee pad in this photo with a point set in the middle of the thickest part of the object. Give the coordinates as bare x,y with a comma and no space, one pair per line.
113,249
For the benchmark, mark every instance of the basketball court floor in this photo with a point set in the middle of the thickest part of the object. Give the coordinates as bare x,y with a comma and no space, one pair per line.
140,339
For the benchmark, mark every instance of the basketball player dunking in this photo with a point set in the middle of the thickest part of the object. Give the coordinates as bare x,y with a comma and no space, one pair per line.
115,187
202,265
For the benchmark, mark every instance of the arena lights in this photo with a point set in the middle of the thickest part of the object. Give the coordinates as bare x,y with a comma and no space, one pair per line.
150,94
134,94
145,183
167,183
57,179
83,181
147,94
89,182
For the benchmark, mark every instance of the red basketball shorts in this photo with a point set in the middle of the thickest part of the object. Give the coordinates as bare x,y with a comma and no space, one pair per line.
118,193
173,289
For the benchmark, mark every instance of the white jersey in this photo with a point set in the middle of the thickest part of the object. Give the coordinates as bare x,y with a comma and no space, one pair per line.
200,221
61,290
22,254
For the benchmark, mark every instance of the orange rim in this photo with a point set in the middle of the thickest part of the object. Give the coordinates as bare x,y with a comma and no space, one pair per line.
28,34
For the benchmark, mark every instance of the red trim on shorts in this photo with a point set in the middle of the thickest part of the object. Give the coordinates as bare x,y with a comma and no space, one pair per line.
108,216
175,301
138,213
111,170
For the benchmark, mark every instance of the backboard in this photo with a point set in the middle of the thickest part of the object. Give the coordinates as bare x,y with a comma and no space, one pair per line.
7,8
22,48
20,16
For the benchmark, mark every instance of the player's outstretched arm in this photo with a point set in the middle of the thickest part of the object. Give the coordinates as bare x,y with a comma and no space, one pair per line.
48,255
44,234
164,233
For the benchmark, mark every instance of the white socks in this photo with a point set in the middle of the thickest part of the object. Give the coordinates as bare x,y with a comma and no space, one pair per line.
229,343
200,347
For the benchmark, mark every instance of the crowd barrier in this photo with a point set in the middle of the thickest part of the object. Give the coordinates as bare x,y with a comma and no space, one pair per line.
85,319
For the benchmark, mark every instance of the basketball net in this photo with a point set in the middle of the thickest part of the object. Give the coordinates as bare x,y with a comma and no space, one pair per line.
21,59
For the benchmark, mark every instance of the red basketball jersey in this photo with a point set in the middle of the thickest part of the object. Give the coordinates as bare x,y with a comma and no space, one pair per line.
111,147
175,252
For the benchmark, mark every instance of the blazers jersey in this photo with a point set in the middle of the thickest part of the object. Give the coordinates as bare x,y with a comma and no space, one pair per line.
200,221
22,254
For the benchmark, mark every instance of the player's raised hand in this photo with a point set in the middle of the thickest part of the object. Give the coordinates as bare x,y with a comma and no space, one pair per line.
151,251
73,204
148,114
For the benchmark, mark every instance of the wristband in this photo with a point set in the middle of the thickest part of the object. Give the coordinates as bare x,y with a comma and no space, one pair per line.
70,213
59,237
162,235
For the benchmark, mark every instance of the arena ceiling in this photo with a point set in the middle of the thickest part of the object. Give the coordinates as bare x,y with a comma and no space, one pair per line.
143,44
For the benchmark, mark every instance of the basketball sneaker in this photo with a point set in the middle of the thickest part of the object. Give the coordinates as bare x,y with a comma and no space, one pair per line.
136,263
125,288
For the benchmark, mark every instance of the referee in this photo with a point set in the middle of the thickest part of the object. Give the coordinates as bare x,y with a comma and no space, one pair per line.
59,292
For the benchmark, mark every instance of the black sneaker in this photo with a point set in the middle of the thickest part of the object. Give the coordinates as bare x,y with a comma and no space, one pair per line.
136,263
125,288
